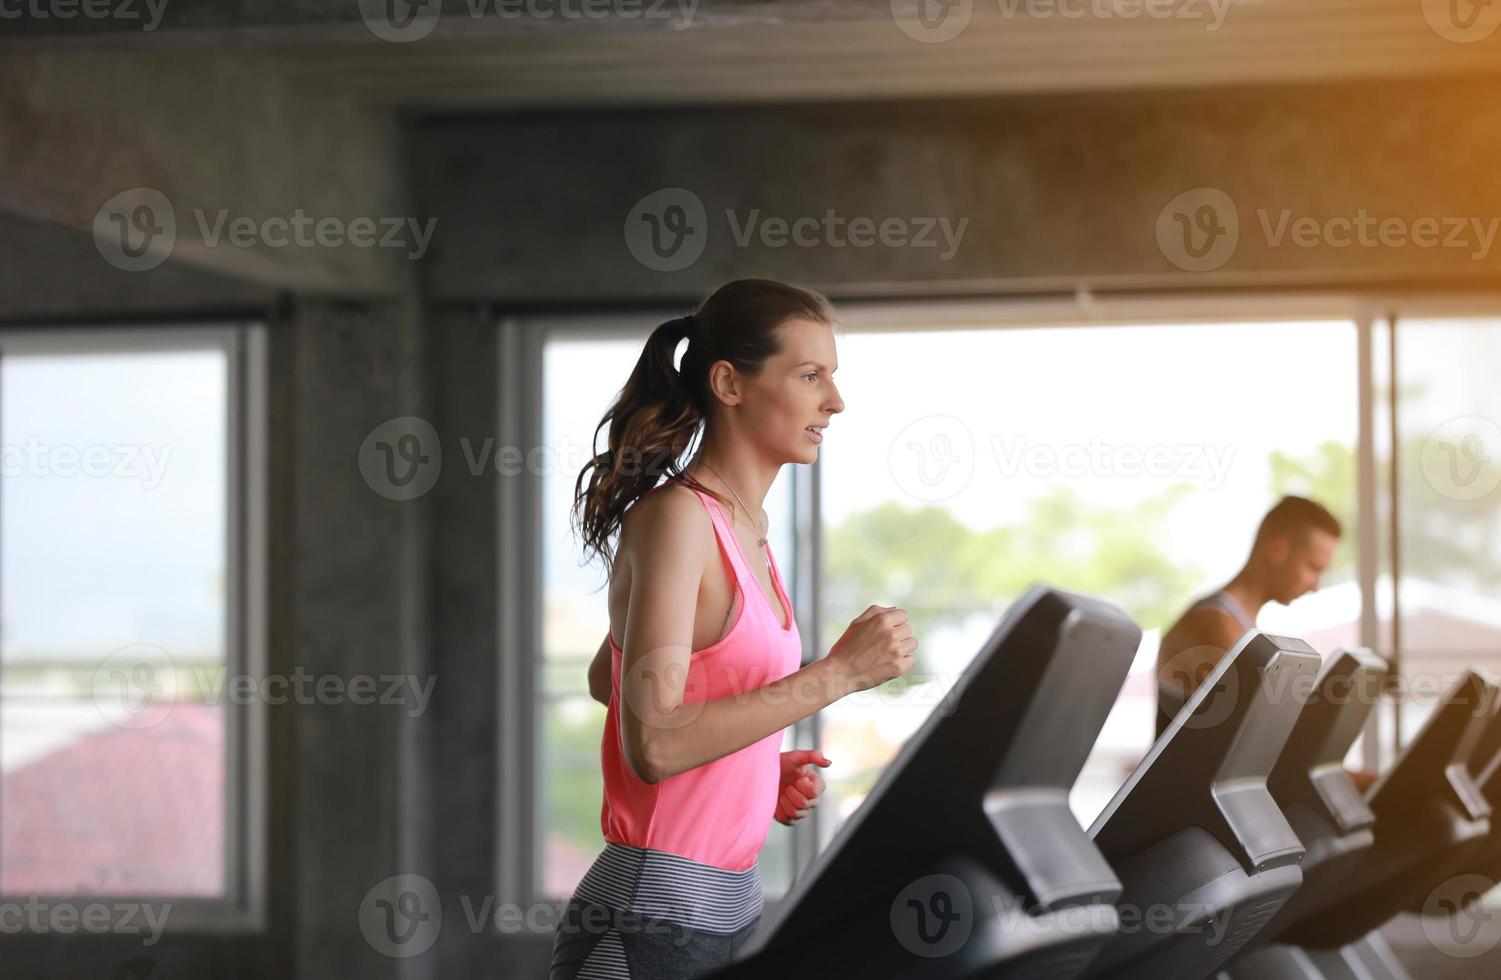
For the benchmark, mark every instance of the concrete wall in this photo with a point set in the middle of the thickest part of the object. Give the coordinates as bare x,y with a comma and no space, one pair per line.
357,587
1055,192
49,271
221,136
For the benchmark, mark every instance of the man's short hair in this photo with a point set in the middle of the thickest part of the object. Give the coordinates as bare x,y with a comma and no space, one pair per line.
1296,516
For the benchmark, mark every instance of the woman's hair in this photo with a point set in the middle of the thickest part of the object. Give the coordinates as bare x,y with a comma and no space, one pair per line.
661,408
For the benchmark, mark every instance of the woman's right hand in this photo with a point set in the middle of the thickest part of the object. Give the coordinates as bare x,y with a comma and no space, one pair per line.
876,647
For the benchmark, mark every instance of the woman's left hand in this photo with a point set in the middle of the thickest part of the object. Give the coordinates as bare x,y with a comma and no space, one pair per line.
801,784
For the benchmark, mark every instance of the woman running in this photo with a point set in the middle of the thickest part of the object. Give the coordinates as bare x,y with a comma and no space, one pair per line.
703,658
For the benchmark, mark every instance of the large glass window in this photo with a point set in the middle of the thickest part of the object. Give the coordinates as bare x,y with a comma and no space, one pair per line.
1448,410
122,570
1131,463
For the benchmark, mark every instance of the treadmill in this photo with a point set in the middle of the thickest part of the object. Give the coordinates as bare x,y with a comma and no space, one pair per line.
1429,817
1194,833
965,860
1429,813
1325,810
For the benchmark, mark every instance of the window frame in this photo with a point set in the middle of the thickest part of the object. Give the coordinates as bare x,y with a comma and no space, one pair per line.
523,337
244,344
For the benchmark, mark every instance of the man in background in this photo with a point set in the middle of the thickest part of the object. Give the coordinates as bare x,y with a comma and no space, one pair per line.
1293,547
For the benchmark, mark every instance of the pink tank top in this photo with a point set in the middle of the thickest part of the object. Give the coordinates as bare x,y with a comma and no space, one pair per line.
720,812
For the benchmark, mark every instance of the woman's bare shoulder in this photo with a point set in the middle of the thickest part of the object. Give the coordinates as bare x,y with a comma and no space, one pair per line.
671,519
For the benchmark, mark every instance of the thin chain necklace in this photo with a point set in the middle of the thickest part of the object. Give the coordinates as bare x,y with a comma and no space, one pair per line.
761,541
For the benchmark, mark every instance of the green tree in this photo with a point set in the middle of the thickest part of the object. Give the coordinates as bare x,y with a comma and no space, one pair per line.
943,572
1442,535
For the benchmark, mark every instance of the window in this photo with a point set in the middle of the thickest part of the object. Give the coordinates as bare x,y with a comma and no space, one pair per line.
1447,408
128,591
1131,463
1127,459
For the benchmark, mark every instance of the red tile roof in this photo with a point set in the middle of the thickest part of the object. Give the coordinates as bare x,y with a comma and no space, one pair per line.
119,811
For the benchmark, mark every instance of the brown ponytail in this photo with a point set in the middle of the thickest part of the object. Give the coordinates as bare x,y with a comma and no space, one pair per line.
662,408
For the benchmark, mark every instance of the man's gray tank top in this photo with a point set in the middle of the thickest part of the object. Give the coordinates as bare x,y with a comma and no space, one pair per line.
1169,701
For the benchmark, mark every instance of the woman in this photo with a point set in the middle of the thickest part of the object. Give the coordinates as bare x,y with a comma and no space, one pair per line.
701,669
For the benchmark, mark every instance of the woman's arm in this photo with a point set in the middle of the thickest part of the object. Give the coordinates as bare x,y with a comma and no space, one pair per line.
671,737
662,735
599,673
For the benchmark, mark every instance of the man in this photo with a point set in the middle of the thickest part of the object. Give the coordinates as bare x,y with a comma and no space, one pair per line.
1293,547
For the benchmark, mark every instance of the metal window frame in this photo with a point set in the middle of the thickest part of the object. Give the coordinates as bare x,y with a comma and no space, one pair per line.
1466,308
520,383
242,909
518,503
1367,556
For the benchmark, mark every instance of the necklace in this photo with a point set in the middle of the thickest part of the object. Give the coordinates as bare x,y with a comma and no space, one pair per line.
761,541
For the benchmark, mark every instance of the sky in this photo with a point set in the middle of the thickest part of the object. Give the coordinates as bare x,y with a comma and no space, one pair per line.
112,503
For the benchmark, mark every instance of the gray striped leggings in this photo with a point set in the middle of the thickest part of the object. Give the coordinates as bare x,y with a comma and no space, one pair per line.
641,914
